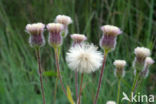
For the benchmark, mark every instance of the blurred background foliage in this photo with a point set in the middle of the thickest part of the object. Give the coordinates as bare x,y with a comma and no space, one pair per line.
19,81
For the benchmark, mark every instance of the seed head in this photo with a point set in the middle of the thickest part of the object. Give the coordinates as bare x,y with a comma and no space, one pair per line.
84,58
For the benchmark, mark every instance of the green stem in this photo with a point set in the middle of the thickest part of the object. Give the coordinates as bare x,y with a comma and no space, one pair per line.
58,70
55,89
118,96
40,74
134,85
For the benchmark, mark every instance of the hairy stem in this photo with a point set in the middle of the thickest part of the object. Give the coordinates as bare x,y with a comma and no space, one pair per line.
40,74
100,79
118,96
80,88
58,71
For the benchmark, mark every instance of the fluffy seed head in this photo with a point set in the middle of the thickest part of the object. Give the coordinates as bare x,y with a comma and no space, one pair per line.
55,27
111,30
84,58
78,38
149,61
142,52
35,28
63,19
111,102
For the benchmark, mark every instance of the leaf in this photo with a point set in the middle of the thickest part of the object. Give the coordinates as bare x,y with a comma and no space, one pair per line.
50,73
69,96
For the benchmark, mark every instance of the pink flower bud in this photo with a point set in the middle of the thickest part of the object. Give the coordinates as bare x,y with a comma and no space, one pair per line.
36,34
65,20
55,38
120,65
78,38
108,40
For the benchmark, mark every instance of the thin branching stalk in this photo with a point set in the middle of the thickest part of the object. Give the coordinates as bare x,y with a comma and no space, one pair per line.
58,71
100,79
79,99
40,74
76,84
119,87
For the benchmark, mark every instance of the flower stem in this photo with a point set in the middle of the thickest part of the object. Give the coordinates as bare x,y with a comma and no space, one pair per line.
58,71
118,96
100,79
40,74
80,89
76,84
134,84
55,90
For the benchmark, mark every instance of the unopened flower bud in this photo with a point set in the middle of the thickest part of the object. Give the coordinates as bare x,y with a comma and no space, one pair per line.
148,62
36,34
55,38
120,65
108,40
65,20
141,54
78,38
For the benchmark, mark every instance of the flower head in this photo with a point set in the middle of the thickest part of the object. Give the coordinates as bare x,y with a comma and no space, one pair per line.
111,102
55,38
35,28
36,34
149,61
84,58
108,40
78,38
139,61
111,30
119,71
142,52
65,20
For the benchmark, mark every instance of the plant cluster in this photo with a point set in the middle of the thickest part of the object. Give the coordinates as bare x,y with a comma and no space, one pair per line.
84,58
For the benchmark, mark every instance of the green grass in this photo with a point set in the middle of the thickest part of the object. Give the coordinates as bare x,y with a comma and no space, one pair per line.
19,81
